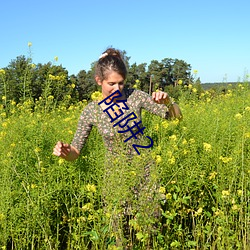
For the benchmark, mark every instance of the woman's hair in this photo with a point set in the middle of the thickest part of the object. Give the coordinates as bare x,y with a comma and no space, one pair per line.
110,60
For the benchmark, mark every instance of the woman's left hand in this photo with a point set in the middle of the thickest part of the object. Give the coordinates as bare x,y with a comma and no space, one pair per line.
161,97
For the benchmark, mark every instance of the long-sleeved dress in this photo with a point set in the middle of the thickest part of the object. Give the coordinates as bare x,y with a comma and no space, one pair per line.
93,115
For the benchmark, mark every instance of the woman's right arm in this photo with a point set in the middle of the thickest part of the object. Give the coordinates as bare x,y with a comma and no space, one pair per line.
70,152
66,151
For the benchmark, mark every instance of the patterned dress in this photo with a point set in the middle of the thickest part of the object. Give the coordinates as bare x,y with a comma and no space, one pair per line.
93,115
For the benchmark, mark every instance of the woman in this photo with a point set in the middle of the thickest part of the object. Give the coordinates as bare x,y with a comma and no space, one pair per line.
110,74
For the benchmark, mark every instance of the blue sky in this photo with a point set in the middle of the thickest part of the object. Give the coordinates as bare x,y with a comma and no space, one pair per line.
212,36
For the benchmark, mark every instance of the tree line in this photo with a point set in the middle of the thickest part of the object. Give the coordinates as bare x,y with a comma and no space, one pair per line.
22,79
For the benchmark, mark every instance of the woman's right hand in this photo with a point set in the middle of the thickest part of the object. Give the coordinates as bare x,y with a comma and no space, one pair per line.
66,151
62,149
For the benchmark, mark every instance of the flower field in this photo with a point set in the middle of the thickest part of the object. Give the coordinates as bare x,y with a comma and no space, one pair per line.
202,166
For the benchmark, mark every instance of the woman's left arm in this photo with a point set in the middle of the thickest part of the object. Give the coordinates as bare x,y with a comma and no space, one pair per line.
163,98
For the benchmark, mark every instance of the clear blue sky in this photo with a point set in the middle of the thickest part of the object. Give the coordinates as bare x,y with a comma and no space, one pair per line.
212,36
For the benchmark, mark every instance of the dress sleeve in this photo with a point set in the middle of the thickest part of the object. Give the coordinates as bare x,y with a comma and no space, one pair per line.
151,106
83,129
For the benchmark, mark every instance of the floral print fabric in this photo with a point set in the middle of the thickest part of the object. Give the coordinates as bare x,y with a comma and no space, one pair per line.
93,115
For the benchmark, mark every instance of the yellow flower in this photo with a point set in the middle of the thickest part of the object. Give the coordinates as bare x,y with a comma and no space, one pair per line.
238,116
207,147
158,159
191,140
56,58
190,86
173,137
195,71
225,193
212,175
194,90
235,207
96,96
29,44
180,82
61,161
168,196
164,124
3,97
2,72
87,207
246,108
91,188
198,212
2,217
73,85
137,81
37,149
184,141
50,97
162,190
247,135
156,127
225,159
135,86
171,160
239,192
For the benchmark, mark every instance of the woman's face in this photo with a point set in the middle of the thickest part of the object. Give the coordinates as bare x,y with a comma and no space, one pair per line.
112,83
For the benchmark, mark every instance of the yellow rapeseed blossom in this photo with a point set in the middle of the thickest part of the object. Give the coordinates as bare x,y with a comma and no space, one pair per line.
91,188
190,86
135,86
56,58
195,71
212,175
180,82
207,147
191,140
225,193
235,207
225,159
50,97
96,96
218,212
168,196
164,124
29,44
87,207
247,108
3,97
173,137
2,217
198,212
171,160
37,149
13,103
238,116
162,190
184,141
239,192
2,72
156,127
61,161
194,90
158,159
